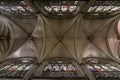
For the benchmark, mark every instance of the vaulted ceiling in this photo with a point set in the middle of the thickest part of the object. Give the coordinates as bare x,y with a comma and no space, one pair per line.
43,35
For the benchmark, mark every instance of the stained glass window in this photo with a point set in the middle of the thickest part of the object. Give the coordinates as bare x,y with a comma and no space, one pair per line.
100,68
59,69
102,8
16,7
61,8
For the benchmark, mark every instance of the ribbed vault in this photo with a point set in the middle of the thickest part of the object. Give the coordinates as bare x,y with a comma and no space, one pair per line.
44,38
113,39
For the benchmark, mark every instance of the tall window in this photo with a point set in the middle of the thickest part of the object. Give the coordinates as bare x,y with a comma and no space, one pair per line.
102,68
18,6
17,68
104,7
60,8
59,69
